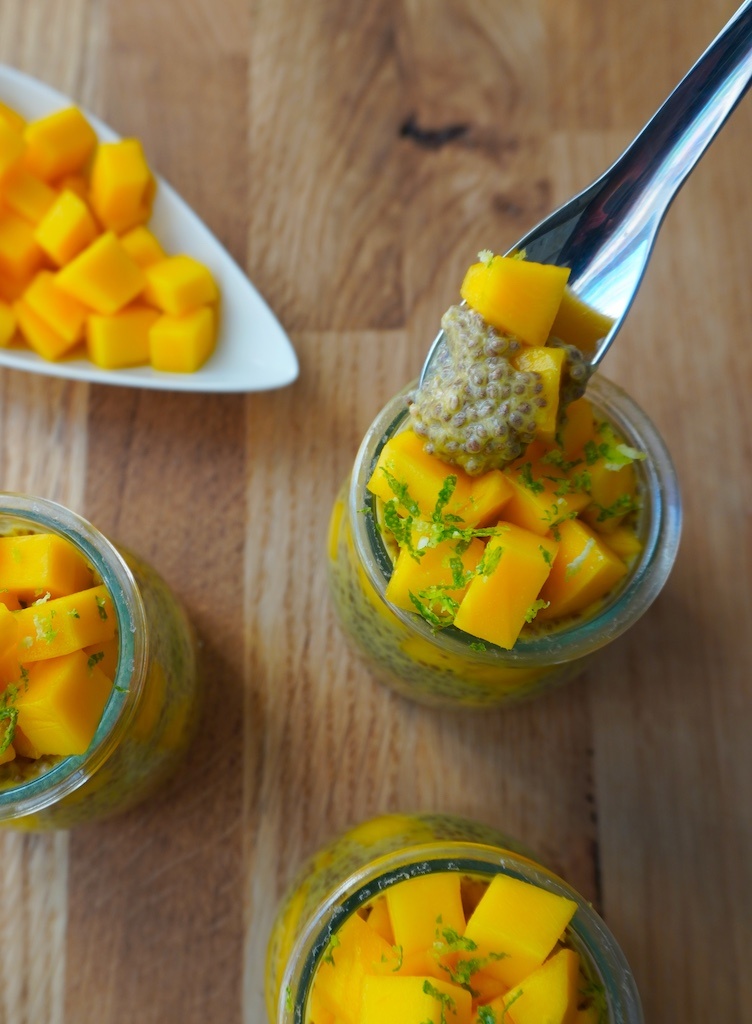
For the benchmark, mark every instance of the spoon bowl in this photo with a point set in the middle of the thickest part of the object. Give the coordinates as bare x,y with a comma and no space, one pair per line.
606,233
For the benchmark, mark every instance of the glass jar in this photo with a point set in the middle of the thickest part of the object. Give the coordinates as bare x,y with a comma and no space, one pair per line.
370,858
446,668
152,712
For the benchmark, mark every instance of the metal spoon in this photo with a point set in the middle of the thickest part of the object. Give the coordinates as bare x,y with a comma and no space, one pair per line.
606,233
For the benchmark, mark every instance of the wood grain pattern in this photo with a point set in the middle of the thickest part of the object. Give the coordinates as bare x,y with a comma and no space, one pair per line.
306,136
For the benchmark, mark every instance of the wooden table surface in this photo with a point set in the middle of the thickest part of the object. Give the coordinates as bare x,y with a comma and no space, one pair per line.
294,129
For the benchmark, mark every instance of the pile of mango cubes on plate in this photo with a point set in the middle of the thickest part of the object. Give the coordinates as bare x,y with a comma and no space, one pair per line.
79,269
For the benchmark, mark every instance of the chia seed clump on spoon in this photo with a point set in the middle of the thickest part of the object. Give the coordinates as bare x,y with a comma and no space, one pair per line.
477,410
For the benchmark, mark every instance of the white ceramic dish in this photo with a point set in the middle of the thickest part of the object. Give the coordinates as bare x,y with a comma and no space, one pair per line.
253,353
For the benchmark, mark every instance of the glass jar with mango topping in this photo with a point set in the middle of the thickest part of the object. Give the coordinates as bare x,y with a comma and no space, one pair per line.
623,543
433,919
73,754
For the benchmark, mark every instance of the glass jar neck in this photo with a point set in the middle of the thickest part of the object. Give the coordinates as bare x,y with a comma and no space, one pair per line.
588,934
660,531
68,774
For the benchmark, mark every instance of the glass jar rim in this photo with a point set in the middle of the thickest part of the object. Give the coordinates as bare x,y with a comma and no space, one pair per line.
583,636
588,931
71,772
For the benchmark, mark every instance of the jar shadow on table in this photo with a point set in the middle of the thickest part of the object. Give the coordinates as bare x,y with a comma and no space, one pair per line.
450,668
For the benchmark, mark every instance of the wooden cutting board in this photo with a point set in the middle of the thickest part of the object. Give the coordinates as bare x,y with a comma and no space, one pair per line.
354,157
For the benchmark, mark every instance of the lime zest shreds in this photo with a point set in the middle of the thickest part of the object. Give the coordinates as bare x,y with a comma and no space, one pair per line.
334,942
577,563
595,996
477,645
94,659
486,1015
485,256
399,953
464,968
513,1000
581,482
101,607
7,711
425,612
401,529
489,561
526,478
445,494
615,453
401,493
547,556
446,1001
555,457
534,608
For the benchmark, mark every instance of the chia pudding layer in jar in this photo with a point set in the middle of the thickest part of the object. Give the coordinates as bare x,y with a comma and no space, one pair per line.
151,713
396,868
450,667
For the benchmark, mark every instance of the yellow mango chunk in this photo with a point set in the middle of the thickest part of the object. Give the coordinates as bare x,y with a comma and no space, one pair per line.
354,952
65,315
9,664
143,247
12,148
122,186
24,746
516,296
378,919
584,569
28,196
121,339
548,363
105,656
547,994
7,323
497,604
489,495
58,144
521,920
75,183
9,754
624,542
577,323
103,276
11,117
179,284
181,344
39,335
403,1000
535,504
12,289
424,475
65,624
577,428
612,493
412,576
415,907
61,705
10,601
66,229
20,256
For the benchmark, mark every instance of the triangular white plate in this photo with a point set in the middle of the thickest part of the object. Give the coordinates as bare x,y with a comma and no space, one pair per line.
253,353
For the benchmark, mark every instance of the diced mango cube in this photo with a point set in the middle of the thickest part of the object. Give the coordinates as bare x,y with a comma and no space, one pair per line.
7,323
613,493
65,624
103,276
39,335
24,746
10,601
404,461
9,664
499,601
432,570
489,495
66,229
521,920
143,247
179,284
64,314
548,363
75,183
401,1000
584,570
422,907
121,339
12,288
12,147
378,919
577,428
577,323
20,256
61,705
28,196
542,496
35,564
547,994
181,344
122,186
59,144
624,542
105,655
516,296
354,952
